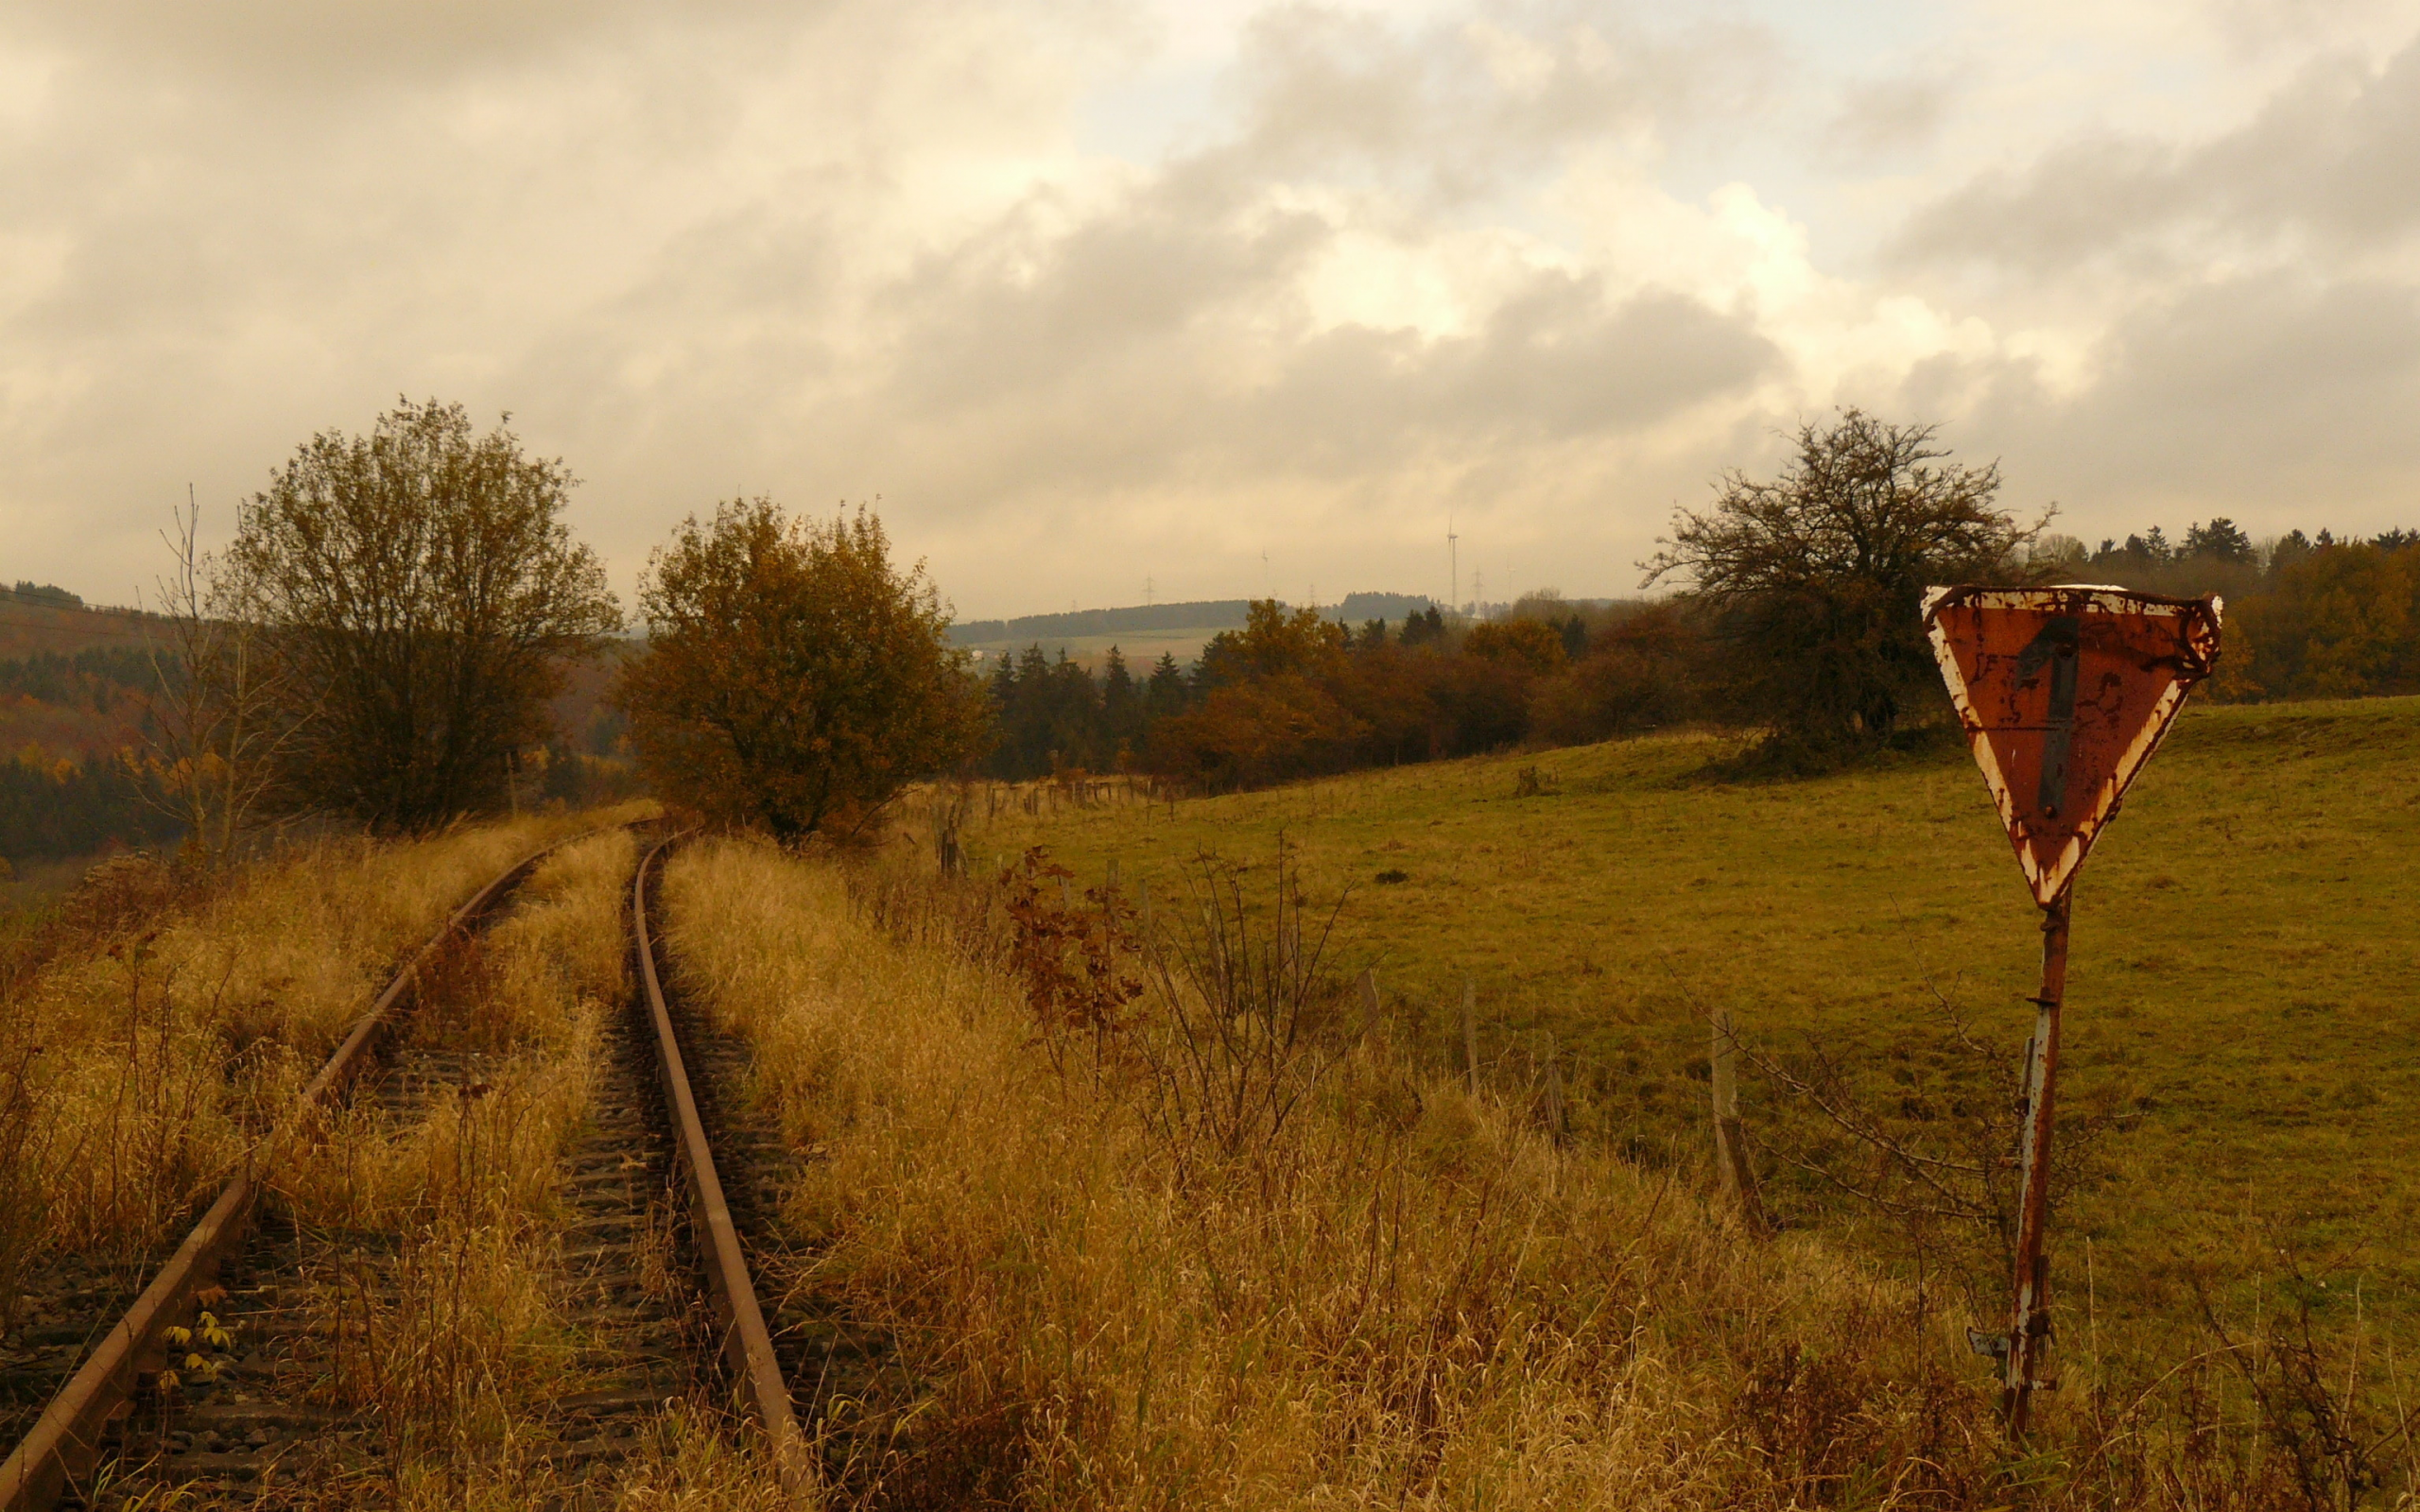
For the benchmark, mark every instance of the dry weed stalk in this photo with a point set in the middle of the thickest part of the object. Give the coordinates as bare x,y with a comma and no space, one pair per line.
1248,1017
29,1150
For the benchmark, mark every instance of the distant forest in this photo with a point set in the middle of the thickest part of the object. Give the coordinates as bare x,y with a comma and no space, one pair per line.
75,779
71,784
1298,692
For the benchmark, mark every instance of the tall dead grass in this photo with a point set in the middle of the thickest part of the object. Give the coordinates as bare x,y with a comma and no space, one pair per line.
441,1280
1398,1296
439,1236
159,1040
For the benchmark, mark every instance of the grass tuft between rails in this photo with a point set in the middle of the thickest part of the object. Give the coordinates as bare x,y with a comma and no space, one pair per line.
1399,1296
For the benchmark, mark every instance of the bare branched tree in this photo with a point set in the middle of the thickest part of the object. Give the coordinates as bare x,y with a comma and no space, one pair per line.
219,714
1815,576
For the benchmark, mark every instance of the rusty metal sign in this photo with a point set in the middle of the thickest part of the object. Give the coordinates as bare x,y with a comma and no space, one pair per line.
2065,693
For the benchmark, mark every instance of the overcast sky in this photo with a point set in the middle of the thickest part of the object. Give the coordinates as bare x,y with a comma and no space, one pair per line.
1225,297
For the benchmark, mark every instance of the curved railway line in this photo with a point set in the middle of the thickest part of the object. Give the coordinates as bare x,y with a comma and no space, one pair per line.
654,1281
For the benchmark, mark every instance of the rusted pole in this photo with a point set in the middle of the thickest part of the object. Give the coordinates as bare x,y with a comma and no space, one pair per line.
2029,1337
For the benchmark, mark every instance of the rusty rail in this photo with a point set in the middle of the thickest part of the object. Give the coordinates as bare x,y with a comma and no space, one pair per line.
747,1344
67,1437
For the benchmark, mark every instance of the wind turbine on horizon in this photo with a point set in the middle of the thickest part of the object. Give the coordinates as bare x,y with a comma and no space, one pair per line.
1453,567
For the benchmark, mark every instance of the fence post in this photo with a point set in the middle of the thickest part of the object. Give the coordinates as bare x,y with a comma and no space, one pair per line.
1470,1031
1112,874
1369,1003
1554,1090
1738,1177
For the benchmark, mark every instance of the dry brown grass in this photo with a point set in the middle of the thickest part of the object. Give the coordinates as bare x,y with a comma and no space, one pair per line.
441,1276
170,1028
454,1336
1403,1297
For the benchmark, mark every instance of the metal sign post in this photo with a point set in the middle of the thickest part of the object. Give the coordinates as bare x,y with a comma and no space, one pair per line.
2063,693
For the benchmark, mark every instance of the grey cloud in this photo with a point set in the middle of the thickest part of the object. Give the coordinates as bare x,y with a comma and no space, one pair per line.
2335,155
1884,118
2277,398
1556,363
1454,109
311,45
1166,336
1161,340
2252,27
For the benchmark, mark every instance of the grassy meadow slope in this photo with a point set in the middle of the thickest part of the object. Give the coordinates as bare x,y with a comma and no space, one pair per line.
2242,1004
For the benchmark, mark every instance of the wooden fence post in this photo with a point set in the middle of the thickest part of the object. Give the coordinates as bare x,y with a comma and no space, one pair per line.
1470,1031
1369,1003
1554,1090
1732,1168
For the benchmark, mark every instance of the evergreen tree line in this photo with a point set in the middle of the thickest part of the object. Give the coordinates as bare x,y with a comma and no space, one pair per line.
56,802
2308,616
53,808
100,679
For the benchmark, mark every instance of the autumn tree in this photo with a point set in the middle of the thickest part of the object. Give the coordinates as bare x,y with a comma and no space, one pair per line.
2342,621
1527,644
794,680
1815,578
415,595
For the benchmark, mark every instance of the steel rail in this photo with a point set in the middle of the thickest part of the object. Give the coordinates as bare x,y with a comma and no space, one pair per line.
747,1344
66,1439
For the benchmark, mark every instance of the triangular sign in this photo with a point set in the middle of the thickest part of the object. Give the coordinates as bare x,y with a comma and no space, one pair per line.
2065,693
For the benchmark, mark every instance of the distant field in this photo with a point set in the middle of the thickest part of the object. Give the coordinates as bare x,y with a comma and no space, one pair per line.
2245,986
1140,648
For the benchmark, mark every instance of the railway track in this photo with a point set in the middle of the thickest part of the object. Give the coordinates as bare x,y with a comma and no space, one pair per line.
649,1282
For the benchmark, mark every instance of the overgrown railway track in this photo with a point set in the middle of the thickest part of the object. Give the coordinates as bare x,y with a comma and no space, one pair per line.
651,1232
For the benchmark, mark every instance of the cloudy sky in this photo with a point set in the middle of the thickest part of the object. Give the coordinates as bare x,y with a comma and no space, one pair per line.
1227,296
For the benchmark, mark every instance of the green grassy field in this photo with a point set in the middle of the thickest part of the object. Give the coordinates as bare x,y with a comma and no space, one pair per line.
2243,994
